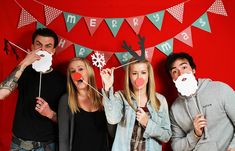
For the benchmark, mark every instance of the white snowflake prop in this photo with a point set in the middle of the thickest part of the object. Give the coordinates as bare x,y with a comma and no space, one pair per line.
98,60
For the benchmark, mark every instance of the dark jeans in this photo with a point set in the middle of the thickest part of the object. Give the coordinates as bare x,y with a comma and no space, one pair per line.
48,147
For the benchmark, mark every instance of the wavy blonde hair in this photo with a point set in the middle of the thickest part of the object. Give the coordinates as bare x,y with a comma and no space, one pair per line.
72,91
128,88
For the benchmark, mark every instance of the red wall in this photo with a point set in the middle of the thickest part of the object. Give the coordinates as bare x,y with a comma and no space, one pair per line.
214,52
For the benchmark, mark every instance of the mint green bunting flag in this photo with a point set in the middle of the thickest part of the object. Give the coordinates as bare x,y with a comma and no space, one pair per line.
71,20
81,51
166,47
114,24
39,25
203,23
157,18
123,57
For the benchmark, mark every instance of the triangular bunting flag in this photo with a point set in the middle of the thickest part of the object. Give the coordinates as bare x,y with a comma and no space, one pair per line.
62,45
107,55
202,23
51,13
114,24
25,18
157,18
218,8
185,37
82,52
135,23
71,20
166,47
177,11
93,23
148,53
123,57
39,25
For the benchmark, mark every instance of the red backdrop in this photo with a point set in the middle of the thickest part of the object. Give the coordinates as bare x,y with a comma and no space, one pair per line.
214,52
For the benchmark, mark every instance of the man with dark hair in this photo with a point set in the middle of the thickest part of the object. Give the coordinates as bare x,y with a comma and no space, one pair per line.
203,115
35,122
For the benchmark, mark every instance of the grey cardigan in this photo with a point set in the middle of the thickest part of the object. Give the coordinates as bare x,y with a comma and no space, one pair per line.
66,126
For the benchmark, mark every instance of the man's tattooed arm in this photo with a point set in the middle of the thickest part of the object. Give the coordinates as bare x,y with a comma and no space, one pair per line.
10,83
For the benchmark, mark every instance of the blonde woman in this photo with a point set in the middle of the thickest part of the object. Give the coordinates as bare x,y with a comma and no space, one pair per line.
82,122
140,113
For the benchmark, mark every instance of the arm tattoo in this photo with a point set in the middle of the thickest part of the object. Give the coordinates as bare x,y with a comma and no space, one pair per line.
11,81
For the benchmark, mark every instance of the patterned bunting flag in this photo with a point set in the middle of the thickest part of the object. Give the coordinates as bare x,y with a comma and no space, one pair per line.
135,23
185,36
81,51
157,18
177,11
202,23
51,13
93,24
166,47
114,24
71,20
25,18
218,8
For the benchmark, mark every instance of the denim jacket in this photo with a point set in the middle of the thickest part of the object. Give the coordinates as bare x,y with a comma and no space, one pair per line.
119,112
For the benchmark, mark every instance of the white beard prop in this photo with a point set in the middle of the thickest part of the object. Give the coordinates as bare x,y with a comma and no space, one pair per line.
44,64
186,84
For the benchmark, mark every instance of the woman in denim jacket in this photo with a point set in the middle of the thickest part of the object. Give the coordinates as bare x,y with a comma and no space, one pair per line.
140,113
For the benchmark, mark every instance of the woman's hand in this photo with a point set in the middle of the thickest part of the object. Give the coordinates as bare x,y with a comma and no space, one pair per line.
142,117
107,77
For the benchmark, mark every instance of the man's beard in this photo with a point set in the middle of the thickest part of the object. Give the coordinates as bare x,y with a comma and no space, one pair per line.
44,64
186,84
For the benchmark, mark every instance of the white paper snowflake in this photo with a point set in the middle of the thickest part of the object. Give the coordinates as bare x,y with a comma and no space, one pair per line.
98,60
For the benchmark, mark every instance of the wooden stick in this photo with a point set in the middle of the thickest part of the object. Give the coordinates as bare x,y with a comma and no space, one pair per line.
40,85
18,47
93,88
125,64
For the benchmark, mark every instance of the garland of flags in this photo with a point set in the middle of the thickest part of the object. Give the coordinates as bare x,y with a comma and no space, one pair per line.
114,25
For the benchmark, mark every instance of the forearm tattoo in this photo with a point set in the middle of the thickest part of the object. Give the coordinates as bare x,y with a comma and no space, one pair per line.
10,82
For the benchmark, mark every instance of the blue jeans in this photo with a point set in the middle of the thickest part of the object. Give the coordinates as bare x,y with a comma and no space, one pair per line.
48,147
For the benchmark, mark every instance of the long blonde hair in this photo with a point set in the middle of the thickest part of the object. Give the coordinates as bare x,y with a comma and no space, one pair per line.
72,91
128,88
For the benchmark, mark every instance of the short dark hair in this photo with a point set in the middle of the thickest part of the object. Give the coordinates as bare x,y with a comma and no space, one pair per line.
45,32
181,55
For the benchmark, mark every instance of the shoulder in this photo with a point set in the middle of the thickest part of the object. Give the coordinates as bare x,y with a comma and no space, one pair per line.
177,104
64,99
220,87
162,99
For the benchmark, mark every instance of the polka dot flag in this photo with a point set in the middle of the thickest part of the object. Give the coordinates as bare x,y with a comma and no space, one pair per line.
177,11
218,8
25,18
51,13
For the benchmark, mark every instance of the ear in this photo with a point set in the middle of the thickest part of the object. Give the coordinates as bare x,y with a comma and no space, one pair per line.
53,51
194,71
